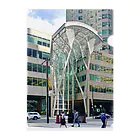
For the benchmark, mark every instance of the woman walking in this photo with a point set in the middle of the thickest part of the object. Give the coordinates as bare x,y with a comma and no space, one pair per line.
63,121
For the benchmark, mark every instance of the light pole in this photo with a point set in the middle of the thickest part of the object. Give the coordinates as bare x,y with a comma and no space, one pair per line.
47,96
92,103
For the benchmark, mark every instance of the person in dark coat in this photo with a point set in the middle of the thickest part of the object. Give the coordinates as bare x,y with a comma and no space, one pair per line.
63,120
104,119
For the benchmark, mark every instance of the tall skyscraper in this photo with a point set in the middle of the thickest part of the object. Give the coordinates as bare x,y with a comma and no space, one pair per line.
100,19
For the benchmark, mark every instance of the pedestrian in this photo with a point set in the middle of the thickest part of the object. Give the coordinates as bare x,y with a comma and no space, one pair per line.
63,120
104,120
76,118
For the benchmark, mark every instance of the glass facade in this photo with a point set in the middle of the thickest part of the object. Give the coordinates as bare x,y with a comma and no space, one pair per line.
94,56
81,78
33,81
101,68
38,40
81,68
37,68
101,89
97,78
37,54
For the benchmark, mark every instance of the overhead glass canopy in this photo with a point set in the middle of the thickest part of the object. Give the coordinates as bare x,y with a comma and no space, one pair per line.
72,42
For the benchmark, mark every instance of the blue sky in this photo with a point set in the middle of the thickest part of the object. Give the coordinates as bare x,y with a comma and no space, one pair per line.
50,14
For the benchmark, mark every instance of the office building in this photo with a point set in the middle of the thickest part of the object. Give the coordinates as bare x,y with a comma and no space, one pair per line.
38,48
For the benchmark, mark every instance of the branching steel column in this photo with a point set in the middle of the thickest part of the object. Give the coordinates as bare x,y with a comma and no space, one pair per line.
68,87
63,92
84,98
57,93
72,87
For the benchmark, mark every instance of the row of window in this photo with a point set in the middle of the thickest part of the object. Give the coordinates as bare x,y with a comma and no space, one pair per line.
81,78
101,68
81,68
37,54
101,78
107,31
38,40
37,68
36,81
106,16
100,89
93,88
106,24
99,56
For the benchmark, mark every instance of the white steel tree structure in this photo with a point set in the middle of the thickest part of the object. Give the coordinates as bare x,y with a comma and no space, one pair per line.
72,43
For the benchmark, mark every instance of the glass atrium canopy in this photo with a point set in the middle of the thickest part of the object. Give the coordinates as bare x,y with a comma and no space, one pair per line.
72,42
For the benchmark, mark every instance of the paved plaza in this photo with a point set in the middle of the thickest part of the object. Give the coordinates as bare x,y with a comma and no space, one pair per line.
90,123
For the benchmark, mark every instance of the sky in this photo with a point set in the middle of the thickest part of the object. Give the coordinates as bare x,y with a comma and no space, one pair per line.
46,20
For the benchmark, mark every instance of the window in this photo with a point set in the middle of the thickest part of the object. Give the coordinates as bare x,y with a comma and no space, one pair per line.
44,82
83,77
39,42
105,31
29,52
99,56
45,55
92,77
44,44
80,18
105,39
29,66
35,53
39,68
44,69
29,80
83,87
35,82
96,67
39,54
39,82
79,11
48,45
48,70
35,67
32,39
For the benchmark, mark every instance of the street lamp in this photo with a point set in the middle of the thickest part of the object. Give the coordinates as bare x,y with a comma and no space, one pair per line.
92,103
47,96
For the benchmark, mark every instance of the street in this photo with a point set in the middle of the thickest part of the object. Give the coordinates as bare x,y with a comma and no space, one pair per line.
90,123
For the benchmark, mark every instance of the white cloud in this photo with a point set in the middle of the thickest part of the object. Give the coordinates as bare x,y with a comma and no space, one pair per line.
44,25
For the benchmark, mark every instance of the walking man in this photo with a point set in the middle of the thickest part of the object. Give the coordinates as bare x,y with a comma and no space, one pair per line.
76,118
104,119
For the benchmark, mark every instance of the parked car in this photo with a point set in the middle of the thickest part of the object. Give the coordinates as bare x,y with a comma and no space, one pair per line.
99,116
33,115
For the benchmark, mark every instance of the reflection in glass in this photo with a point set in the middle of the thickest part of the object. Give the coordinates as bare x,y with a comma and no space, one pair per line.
35,67
29,80
35,82
39,82
39,54
44,82
35,53
39,68
29,52
29,66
